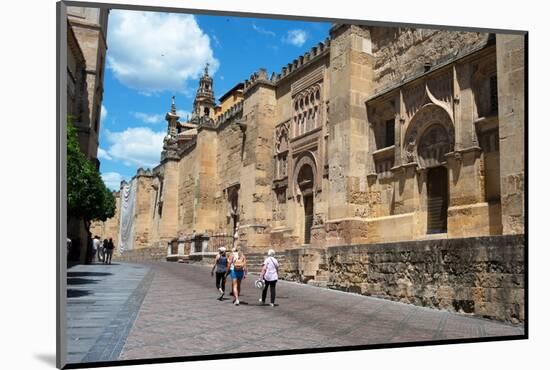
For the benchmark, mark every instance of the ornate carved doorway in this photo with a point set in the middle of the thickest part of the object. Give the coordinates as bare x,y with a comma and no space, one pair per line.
306,184
438,194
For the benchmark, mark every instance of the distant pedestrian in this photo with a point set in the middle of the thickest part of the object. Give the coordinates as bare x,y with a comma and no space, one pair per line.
105,243
101,251
220,267
270,274
109,251
95,247
69,247
238,270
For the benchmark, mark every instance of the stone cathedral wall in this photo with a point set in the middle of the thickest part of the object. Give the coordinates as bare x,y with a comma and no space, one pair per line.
229,165
481,276
369,232
402,52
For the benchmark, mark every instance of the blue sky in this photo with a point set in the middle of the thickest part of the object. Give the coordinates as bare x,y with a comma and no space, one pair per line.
152,56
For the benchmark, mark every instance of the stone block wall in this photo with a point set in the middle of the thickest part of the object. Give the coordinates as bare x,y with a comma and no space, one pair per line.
483,276
143,254
403,53
228,157
111,227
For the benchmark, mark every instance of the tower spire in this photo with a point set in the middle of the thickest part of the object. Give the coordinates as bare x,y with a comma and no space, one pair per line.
204,103
173,107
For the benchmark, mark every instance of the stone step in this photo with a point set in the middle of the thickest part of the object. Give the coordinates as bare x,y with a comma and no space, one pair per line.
320,284
184,259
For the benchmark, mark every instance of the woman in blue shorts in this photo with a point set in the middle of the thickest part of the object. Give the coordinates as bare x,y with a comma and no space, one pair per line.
238,270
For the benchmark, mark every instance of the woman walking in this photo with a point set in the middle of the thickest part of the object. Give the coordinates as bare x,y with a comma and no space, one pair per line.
109,251
238,270
270,274
220,265
105,250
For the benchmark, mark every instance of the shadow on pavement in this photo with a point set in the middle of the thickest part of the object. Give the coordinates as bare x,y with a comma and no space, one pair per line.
80,281
75,293
71,274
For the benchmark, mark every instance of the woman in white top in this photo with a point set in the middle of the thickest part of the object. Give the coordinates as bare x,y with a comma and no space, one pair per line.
270,274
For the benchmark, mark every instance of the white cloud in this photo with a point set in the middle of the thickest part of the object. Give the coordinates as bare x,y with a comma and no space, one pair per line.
152,52
263,31
102,154
296,37
149,118
216,40
112,180
158,118
136,146
103,113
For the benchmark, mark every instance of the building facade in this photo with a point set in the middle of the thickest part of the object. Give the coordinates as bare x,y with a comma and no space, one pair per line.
87,27
385,161
86,49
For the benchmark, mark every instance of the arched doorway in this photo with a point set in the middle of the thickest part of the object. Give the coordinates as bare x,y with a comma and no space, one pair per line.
432,147
306,183
428,138
438,195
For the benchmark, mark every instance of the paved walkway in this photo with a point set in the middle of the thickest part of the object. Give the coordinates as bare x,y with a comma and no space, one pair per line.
180,316
102,303
168,309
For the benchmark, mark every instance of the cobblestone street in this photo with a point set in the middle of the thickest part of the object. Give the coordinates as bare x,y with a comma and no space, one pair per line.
133,311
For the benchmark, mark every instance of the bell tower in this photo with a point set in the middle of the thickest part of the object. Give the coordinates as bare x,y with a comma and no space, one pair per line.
204,103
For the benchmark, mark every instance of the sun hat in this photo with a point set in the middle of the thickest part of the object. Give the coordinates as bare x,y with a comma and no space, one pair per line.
221,249
260,284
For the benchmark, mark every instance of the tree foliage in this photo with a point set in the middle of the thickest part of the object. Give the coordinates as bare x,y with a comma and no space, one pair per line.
87,196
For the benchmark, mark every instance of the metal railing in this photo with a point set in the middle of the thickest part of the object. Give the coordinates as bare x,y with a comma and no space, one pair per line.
199,244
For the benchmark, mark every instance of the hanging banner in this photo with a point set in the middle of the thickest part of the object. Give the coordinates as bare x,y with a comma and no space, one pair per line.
127,216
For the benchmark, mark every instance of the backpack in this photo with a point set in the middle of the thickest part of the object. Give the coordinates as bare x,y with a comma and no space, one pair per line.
238,264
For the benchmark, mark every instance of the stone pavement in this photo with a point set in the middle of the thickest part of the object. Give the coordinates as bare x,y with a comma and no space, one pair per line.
102,303
180,316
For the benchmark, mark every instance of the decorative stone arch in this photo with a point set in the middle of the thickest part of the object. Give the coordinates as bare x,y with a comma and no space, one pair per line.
304,185
306,159
282,137
307,109
429,136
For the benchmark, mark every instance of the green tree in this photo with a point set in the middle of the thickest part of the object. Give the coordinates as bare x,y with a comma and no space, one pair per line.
87,196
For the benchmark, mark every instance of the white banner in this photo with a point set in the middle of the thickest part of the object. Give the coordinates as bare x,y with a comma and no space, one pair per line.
127,216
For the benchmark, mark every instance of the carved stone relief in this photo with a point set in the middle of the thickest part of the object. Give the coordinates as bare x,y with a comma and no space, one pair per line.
306,159
437,90
279,205
281,137
281,150
306,110
441,86
430,124
433,146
